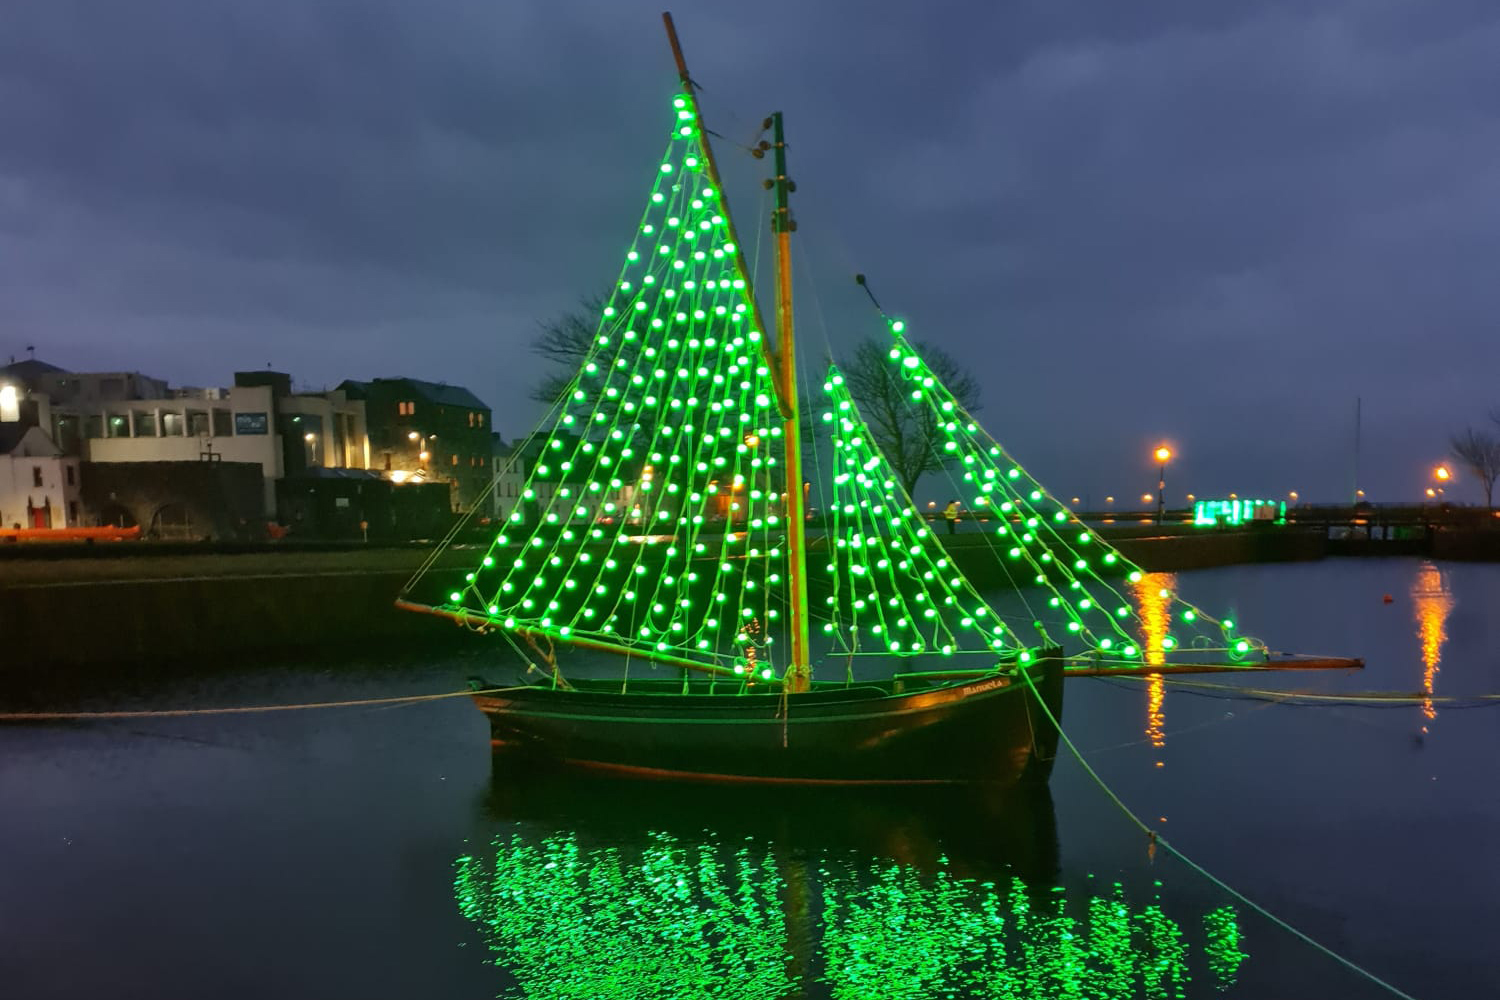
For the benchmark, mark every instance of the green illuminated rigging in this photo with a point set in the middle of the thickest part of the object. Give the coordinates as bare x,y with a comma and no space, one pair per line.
1039,543
892,587
652,514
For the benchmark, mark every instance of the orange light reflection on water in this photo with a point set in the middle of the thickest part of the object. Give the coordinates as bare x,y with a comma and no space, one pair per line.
1431,602
1153,595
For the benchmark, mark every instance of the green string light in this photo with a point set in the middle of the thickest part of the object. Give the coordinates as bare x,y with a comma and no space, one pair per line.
661,456
1040,542
892,586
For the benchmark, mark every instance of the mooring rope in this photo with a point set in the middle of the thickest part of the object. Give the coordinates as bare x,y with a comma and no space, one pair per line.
1372,699
1157,839
162,713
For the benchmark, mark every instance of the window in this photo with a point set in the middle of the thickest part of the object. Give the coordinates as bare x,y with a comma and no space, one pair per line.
36,475
197,423
93,426
479,420
406,409
172,424
481,461
117,426
72,475
223,424
251,423
73,512
145,423
455,460
472,415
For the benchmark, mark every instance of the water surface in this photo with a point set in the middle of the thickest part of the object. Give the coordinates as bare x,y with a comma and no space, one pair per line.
380,852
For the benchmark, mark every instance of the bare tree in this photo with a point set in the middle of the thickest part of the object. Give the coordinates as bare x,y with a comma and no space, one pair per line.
565,341
1479,452
906,433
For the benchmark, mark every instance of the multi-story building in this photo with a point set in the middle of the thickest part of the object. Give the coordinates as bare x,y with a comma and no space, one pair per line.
424,431
119,417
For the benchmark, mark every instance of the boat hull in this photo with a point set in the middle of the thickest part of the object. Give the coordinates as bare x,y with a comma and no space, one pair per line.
987,730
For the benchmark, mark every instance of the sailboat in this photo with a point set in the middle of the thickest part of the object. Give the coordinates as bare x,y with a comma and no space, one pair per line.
666,527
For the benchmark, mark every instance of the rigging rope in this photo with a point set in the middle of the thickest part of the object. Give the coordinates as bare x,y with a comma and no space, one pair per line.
1157,839
1370,699
162,713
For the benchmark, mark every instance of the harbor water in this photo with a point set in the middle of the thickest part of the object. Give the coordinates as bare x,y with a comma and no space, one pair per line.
380,851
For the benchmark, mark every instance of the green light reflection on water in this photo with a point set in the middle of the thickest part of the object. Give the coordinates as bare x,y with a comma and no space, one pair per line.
671,920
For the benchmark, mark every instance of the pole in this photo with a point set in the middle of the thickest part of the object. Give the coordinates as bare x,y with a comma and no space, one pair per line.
781,362
1354,497
800,671
1161,492
711,171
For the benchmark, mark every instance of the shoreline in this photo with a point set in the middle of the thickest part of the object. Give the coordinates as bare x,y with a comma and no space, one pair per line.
139,608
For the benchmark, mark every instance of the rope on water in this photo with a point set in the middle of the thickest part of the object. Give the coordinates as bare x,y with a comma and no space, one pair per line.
1156,839
161,713
1382,699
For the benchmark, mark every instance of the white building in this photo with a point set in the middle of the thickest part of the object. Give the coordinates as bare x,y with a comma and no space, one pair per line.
228,425
38,484
129,417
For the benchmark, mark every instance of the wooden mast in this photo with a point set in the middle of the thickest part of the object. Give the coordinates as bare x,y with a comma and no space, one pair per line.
799,676
782,363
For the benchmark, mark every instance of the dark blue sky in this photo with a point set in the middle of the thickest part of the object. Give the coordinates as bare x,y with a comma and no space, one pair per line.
1213,224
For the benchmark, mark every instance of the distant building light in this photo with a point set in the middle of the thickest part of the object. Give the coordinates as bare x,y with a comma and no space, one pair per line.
1235,511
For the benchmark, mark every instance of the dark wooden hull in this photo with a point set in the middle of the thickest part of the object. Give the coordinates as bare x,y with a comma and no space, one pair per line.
979,730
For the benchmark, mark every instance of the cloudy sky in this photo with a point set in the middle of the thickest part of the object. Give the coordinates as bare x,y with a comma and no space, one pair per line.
1212,224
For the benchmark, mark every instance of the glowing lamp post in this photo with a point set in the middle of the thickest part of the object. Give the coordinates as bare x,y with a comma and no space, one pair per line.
1161,454
421,441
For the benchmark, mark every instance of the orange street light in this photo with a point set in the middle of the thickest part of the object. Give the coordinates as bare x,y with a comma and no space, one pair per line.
1162,453
1442,473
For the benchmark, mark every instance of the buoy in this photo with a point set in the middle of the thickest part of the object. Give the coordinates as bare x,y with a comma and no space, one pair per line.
1386,599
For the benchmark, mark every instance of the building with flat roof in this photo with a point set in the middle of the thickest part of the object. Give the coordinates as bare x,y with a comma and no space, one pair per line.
117,417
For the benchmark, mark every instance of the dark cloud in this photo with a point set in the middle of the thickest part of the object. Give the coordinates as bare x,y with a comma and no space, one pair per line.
1214,223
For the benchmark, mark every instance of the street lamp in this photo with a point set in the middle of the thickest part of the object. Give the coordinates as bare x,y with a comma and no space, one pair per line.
1442,475
422,453
1162,453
